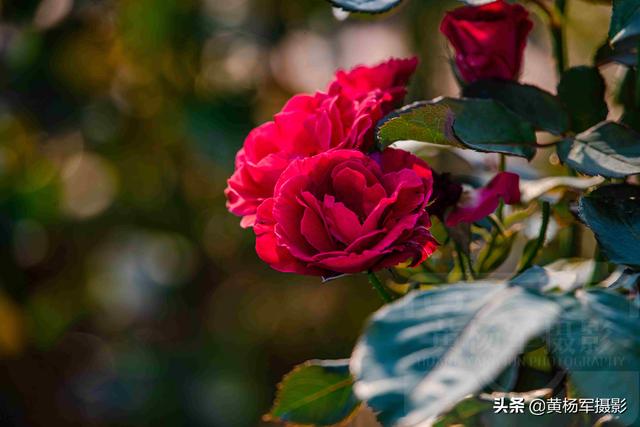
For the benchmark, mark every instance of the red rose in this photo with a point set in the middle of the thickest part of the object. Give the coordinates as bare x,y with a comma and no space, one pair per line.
345,212
482,202
489,40
389,77
307,125
311,124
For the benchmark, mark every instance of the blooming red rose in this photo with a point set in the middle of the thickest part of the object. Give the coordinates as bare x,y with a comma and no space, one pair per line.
389,77
480,203
489,40
311,124
307,125
345,212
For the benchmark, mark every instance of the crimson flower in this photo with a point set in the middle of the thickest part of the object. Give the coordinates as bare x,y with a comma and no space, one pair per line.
345,212
489,40
341,118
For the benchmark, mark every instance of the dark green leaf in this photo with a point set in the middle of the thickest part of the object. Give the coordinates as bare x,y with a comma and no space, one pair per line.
424,353
480,124
542,109
581,90
597,341
486,125
526,419
464,411
478,411
613,213
628,281
631,118
609,149
318,392
624,53
365,6
563,275
625,20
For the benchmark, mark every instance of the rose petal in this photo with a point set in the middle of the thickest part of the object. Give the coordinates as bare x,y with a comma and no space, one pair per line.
482,202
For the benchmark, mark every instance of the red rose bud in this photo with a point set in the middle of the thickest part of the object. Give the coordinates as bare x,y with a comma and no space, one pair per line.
345,212
344,117
489,40
482,202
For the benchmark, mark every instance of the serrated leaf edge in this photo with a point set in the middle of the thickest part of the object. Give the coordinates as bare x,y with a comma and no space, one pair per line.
269,417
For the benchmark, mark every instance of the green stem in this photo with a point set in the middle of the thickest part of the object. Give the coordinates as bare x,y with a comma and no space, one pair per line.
546,210
501,167
463,269
497,224
467,259
557,35
465,263
379,287
491,245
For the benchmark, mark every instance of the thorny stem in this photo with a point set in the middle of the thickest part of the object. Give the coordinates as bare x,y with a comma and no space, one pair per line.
546,210
379,287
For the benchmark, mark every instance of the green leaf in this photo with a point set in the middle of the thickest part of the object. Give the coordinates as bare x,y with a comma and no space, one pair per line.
422,354
563,275
486,125
426,121
465,410
581,90
478,411
365,6
597,341
613,214
527,419
628,280
609,149
625,20
318,392
624,52
479,124
542,109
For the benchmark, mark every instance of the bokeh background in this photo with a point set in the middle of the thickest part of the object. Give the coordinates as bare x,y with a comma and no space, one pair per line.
129,296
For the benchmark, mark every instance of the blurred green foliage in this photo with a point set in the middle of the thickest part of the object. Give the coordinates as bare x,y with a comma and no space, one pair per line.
129,296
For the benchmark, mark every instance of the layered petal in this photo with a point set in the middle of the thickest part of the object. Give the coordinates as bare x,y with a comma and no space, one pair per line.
308,124
344,212
480,203
489,40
